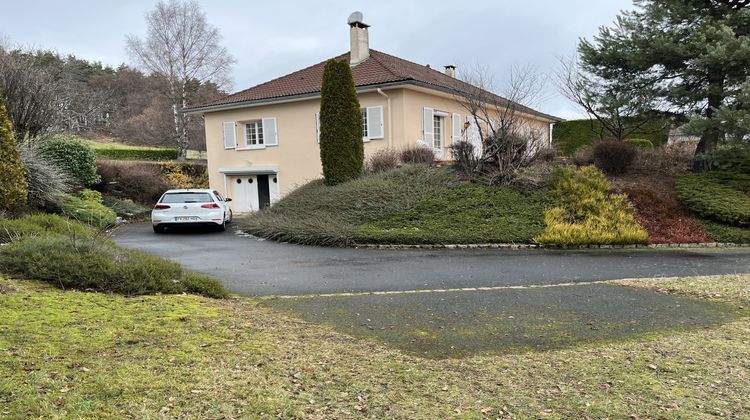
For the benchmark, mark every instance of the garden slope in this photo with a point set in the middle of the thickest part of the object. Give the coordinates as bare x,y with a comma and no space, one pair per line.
413,204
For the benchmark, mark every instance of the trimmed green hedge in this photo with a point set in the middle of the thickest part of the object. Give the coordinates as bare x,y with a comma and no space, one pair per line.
716,196
74,156
568,136
136,154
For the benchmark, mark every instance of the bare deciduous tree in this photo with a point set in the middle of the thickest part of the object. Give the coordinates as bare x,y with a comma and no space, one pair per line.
620,113
31,95
182,47
509,142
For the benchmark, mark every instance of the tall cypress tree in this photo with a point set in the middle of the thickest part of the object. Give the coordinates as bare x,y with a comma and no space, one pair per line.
341,148
14,189
694,54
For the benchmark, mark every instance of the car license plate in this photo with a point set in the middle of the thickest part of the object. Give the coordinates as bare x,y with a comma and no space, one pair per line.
186,219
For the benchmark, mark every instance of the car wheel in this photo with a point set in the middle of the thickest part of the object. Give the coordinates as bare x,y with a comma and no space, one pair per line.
223,226
230,217
158,229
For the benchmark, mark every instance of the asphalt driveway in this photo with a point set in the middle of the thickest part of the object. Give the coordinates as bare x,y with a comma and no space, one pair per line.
250,266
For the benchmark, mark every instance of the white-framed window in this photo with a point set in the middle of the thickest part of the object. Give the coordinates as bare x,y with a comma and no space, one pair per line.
257,134
365,132
254,133
438,131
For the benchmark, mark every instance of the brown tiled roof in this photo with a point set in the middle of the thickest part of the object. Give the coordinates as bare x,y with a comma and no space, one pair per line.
380,68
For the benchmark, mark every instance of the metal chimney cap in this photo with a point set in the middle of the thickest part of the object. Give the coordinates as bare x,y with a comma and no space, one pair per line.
356,19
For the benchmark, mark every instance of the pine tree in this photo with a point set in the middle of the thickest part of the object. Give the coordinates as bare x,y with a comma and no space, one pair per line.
694,54
341,146
13,187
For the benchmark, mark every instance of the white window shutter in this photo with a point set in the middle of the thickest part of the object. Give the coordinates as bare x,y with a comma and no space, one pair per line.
428,127
375,122
270,135
317,126
230,136
456,118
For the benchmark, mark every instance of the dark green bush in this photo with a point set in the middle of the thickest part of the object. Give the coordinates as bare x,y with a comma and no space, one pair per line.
73,155
645,144
716,196
734,158
724,233
341,133
136,154
13,185
89,264
613,156
86,208
42,224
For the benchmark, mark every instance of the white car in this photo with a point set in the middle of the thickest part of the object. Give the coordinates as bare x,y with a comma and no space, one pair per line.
191,207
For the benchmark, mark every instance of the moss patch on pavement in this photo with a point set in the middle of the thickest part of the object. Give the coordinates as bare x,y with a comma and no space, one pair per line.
511,320
68,354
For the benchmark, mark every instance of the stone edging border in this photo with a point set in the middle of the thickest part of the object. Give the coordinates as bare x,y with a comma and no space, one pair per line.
535,246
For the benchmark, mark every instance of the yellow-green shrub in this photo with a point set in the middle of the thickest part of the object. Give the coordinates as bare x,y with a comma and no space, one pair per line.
588,214
87,207
13,184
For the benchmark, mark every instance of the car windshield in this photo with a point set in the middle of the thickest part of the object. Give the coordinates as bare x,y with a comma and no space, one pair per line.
187,197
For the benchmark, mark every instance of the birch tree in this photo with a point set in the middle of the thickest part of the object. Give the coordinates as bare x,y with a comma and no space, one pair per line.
182,47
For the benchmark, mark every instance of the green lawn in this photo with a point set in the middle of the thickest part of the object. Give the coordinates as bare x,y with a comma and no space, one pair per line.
69,354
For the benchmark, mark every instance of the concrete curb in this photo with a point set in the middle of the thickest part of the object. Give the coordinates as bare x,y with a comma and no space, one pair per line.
536,246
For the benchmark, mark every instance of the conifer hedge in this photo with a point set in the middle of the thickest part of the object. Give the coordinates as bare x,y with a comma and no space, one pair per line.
341,147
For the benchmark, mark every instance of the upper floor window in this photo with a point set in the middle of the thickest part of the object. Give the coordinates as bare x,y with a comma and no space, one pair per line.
364,122
254,133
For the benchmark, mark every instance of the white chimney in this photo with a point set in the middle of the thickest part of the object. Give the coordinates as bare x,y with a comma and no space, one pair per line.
450,70
359,39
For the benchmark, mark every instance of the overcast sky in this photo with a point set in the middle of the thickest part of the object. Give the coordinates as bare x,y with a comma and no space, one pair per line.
272,38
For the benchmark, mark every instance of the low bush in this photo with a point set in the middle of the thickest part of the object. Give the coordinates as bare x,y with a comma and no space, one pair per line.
417,156
42,224
126,209
382,160
468,213
588,214
717,196
464,158
47,181
88,208
73,155
88,264
13,188
612,156
119,153
645,144
669,159
724,233
584,156
732,158
140,182
664,217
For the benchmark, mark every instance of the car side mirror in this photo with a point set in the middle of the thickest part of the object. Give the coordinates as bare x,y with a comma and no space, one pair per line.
227,199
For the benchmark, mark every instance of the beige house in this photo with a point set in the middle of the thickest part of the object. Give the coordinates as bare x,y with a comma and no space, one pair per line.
262,142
